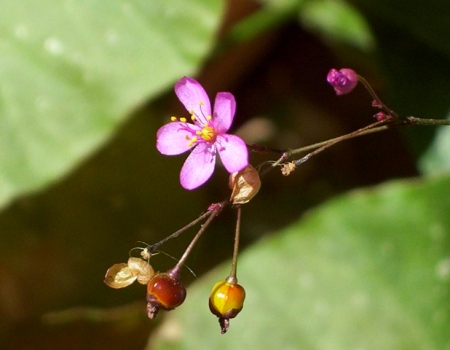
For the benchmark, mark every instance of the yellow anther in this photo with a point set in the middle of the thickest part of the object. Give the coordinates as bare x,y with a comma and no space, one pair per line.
173,119
183,120
193,117
200,103
193,140
209,117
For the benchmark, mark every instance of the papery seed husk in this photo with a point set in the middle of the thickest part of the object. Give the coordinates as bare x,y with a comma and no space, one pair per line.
142,269
119,276
245,184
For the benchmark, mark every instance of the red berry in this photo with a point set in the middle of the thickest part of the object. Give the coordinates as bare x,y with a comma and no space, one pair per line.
164,292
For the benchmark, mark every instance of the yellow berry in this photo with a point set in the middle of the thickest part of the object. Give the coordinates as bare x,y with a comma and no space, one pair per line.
226,301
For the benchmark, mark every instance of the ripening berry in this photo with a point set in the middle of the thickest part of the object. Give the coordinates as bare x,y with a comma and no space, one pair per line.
226,301
164,291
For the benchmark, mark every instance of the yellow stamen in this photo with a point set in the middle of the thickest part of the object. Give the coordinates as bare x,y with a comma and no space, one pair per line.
173,119
183,120
193,140
193,117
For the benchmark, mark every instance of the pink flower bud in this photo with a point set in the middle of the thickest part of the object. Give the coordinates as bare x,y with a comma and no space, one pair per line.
381,116
343,81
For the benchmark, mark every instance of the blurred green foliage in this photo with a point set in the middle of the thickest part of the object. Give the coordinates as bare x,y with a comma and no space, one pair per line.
73,73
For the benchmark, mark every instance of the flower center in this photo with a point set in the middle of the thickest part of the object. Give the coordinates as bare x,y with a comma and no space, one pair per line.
207,133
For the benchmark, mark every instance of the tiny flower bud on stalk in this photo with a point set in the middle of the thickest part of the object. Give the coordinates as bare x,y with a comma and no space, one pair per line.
381,116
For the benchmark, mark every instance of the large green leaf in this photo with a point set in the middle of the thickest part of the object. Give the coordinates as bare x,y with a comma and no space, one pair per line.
71,71
369,270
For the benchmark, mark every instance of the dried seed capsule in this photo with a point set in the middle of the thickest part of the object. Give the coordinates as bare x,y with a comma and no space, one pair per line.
245,184
122,275
142,269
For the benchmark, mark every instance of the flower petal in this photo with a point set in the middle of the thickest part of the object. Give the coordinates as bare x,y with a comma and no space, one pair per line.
194,98
198,167
232,151
172,138
224,109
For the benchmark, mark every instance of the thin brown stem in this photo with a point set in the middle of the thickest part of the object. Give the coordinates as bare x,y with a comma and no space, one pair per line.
323,143
420,121
370,129
336,140
212,214
152,248
264,149
232,278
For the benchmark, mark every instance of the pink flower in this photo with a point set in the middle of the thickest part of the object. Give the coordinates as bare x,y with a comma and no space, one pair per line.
343,80
205,136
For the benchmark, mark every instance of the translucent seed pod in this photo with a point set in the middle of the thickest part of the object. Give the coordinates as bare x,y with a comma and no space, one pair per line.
122,275
119,276
244,184
143,270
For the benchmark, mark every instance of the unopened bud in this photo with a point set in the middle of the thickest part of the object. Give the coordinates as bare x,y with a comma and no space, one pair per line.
245,185
343,81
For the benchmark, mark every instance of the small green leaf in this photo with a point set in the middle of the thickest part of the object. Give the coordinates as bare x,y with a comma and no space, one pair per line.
369,270
72,71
